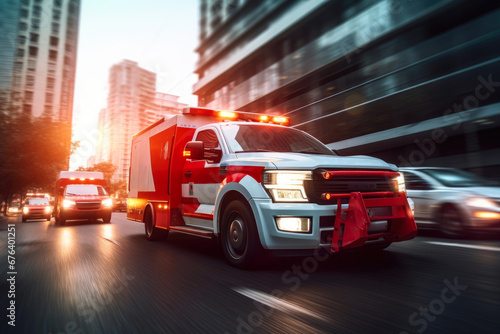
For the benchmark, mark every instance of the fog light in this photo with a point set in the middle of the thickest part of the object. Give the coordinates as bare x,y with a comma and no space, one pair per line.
293,224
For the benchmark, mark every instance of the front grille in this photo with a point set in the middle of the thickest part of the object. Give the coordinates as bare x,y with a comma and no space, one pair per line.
94,205
346,185
36,211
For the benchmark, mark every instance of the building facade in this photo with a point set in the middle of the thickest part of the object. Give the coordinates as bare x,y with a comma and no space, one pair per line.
38,55
413,82
133,104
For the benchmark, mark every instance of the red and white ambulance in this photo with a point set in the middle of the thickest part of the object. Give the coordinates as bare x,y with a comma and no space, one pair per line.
260,186
81,195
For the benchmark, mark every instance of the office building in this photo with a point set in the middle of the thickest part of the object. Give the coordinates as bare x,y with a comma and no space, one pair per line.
392,79
38,48
133,104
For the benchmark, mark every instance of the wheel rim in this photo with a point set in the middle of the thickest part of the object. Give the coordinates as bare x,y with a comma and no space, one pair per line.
236,239
451,222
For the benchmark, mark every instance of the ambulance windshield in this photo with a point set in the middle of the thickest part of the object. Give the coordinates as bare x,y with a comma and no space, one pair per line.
262,138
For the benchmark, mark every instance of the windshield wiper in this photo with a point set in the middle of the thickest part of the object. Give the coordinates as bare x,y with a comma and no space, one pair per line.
257,150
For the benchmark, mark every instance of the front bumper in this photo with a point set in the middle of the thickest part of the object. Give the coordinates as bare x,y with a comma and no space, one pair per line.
323,222
72,214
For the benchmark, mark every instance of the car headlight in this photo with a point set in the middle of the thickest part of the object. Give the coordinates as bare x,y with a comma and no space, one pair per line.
47,209
482,203
401,182
286,186
67,203
26,210
108,202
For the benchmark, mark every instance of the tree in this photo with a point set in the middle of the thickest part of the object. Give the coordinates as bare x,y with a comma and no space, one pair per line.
32,152
108,169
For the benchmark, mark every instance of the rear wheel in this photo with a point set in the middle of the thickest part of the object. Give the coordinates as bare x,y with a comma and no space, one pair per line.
240,239
153,233
62,219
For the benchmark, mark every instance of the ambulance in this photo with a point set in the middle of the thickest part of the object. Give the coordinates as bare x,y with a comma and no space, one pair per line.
261,187
81,195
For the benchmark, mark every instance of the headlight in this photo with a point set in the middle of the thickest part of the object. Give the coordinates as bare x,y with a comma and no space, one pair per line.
47,209
68,203
26,210
286,186
482,203
401,182
108,202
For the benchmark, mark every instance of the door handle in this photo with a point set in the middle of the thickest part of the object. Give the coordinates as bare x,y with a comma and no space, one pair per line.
188,173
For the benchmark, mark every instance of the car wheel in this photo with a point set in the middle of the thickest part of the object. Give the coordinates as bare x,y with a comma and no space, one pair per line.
107,218
62,219
451,222
240,239
23,219
153,233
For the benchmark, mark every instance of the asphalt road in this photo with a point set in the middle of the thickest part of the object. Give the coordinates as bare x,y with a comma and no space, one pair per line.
92,277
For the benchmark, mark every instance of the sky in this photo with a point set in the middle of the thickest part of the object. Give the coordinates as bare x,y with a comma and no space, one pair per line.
160,35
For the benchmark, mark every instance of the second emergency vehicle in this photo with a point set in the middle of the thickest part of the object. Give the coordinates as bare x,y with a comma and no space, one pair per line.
81,195
258,185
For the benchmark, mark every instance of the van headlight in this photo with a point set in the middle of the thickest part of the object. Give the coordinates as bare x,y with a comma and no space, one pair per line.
67,203
286,186
108,202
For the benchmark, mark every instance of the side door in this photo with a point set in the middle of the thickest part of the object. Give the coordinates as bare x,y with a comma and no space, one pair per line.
200,183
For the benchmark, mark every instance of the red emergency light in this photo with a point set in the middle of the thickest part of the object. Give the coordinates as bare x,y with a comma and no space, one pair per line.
238,116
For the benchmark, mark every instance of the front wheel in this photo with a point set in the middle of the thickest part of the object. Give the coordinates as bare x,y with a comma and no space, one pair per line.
107,218
451,223
240,239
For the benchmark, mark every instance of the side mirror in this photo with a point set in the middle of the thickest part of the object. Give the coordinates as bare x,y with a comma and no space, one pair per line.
194,150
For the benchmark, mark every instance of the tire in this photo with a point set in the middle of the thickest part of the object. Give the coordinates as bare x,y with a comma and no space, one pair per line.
62,219
23,219
239,236
451,224
153,233
107,218
48,218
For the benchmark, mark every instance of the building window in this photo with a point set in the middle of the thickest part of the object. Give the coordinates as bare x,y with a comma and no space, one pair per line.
23,26
31,64
27,108
55,28
35,24
56,14
21,40
54,41
28,96
50,83
33,51
37,10
30,81
57,3
48,98
24,13
53,55
48,109
20,53
33,38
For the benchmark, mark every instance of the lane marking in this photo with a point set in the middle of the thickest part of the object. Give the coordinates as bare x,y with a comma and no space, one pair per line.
109,239
494,249
275,302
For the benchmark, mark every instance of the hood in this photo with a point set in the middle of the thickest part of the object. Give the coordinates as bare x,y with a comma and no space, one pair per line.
86,197
312,161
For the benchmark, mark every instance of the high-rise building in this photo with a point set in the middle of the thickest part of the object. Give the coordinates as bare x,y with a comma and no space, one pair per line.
412,82
38,48
133,104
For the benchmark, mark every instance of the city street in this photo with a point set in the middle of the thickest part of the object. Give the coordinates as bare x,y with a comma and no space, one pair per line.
93,277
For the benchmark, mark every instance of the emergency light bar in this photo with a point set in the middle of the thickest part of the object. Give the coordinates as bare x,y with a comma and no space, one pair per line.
238,115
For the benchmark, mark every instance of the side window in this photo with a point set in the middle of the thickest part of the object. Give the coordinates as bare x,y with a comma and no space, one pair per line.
209,138
415,182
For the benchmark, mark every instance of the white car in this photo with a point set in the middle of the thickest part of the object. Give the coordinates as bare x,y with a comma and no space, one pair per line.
455,201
